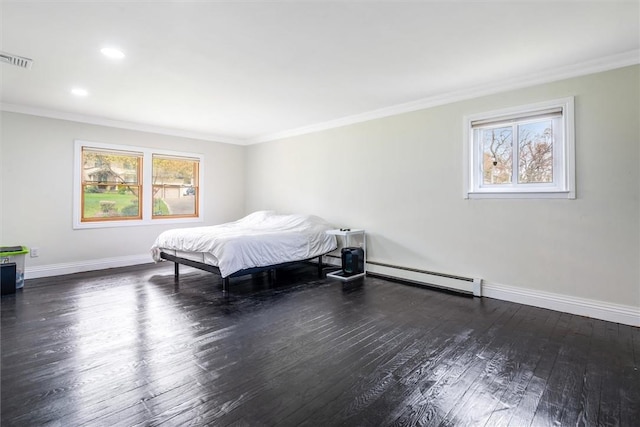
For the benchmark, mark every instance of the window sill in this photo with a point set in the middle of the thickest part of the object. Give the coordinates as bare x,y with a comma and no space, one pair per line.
522,195
133,223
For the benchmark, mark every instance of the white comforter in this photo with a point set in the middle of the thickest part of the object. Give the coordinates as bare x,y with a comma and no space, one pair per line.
260,239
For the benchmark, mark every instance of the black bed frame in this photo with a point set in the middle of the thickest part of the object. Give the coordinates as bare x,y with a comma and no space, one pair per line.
225,280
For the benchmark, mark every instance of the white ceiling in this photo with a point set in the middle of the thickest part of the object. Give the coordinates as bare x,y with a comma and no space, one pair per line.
250,71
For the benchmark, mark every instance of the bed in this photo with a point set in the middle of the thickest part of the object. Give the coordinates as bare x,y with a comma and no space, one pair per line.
261,241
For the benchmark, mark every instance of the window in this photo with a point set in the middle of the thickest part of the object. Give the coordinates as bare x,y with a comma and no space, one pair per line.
110,185
175,186
523,152
121,185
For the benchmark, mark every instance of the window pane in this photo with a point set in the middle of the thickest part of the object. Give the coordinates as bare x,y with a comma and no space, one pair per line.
106,201
109,167
175,186
535,148
110,185
497,162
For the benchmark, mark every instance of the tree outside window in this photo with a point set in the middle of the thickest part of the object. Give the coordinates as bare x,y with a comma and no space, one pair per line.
533,154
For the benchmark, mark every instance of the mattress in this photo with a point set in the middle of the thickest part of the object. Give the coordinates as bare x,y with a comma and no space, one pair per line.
260,239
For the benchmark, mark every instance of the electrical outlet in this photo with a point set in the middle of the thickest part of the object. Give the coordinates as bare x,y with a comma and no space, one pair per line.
35,252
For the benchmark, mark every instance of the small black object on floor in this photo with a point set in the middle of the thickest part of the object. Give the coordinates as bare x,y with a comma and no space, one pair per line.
8,278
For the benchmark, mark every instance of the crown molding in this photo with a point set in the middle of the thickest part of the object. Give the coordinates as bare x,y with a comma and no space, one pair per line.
101,121
576,70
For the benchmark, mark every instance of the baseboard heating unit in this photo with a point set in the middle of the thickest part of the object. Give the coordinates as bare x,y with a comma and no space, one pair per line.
467,285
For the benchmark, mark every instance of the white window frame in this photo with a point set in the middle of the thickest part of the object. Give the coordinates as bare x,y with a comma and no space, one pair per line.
563,186
147,184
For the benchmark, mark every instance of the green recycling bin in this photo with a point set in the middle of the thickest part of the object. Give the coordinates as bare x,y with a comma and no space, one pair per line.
15,254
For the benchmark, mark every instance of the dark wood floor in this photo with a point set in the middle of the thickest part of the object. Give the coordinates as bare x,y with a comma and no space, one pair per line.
127,347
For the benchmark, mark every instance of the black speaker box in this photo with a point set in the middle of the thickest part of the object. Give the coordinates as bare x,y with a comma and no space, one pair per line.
352,261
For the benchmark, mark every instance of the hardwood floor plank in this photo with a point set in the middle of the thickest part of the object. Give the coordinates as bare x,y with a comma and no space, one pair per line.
528,407
477,402
630,369
576,390
360,388
327,346
598,357
560,400
535,332
407,379
609,410
493,397
364,392
434,394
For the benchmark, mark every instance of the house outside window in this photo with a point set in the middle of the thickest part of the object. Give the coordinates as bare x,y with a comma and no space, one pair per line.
123,185
522,152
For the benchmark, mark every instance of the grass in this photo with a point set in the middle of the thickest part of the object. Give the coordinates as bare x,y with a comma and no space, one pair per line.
160,207
92,208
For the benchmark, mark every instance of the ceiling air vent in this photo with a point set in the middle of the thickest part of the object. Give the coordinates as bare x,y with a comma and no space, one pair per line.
15,60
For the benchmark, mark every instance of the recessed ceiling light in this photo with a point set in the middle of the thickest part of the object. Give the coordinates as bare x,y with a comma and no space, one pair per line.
111,52
79,91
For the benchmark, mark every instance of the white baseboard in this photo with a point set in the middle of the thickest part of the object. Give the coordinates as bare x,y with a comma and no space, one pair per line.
624,314
39,271
469,286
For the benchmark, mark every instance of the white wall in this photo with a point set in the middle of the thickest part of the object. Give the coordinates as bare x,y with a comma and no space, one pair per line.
400,178
37,191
